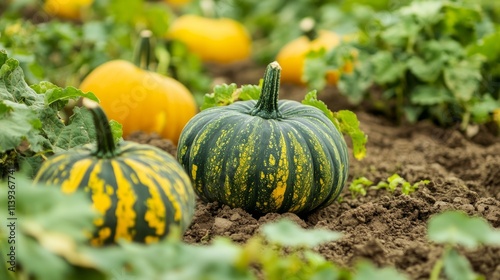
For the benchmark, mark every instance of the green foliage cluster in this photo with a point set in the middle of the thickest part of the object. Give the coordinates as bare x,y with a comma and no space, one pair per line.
359,185
32,126
64,52
52,230
427,59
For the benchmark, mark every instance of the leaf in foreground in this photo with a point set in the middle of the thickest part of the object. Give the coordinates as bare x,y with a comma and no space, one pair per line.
457,267
287,233
367,271
456,228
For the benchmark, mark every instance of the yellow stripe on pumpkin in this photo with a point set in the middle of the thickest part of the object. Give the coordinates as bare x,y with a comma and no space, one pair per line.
278,193
78,171
125,214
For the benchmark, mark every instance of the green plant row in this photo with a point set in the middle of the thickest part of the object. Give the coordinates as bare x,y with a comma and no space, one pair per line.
426,60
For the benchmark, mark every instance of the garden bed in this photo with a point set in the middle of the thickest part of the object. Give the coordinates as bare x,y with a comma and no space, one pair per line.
387,228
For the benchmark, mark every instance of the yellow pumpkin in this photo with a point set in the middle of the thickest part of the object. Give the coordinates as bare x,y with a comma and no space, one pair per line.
177,3
220,40
141,100
67,9
293,55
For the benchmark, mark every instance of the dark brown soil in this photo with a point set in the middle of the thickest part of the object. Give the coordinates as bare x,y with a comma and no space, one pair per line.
389,229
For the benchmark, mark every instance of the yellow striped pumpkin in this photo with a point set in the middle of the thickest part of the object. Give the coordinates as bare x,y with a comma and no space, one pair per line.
266,155
140,190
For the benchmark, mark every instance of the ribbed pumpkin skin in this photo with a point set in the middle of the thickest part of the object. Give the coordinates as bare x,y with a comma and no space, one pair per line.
141,100
295,163
142,192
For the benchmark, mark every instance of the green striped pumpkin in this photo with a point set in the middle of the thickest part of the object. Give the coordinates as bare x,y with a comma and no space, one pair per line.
141,191
266,155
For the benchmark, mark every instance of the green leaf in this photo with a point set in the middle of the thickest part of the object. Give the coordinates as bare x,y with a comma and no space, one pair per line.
457,267
356,85
18,123
367,271
315,68
427,71
79,131
482,109
287,233
425,12
345,121
386,68
456,228
116,130
125,10
463,79
54,93
157,17
429,95
487,46
358,186
311,99
400,33
50,224
249,92
349,124
222,95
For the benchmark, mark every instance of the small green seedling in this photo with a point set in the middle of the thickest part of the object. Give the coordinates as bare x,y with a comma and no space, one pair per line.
359,185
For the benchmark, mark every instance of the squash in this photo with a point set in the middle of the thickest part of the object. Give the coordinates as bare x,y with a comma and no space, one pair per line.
140,190
66,9
219,40
141,100
292,56
177,3
266,155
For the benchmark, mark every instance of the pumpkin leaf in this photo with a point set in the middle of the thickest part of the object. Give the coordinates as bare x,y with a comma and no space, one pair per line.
49,225
287,233
54,93
368,271
19,123
458,267
311,99
349,125
222,95
31,117
249,92
456,228
344,120
116,130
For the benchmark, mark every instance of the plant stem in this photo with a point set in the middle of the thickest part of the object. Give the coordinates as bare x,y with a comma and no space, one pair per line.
267,106
308,27
106,147
143,51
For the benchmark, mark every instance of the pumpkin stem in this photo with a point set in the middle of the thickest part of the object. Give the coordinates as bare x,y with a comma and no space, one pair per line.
267,106
143,51
106,147
308,27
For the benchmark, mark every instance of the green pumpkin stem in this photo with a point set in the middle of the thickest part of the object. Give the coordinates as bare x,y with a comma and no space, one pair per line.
267,106
143,51
308,27
106,147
